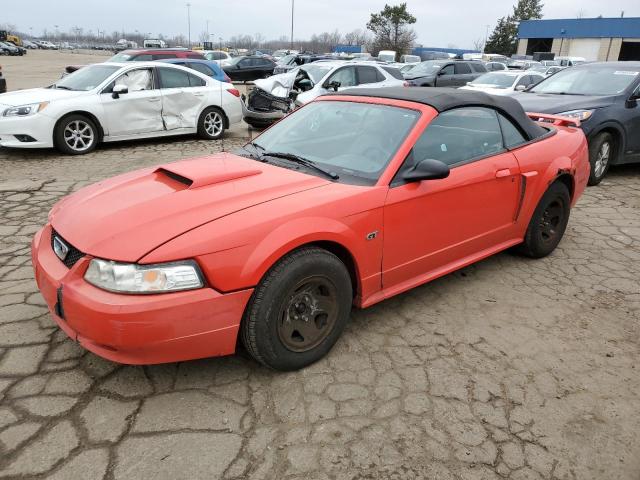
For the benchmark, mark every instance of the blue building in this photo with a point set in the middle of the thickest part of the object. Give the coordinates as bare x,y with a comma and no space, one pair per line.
595,39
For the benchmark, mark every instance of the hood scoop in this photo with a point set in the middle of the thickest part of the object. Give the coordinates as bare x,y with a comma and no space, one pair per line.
196,173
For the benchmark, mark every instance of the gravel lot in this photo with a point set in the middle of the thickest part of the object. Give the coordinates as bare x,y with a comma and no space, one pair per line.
511,368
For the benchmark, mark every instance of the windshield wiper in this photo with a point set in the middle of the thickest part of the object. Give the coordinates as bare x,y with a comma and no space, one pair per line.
256,151
560,93
302,161
62,87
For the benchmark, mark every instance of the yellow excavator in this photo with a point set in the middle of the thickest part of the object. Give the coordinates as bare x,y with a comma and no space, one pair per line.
8,37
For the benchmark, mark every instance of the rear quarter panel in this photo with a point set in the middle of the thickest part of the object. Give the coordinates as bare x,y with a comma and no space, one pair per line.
541,162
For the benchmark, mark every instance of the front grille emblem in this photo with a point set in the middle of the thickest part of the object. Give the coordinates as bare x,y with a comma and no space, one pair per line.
60,248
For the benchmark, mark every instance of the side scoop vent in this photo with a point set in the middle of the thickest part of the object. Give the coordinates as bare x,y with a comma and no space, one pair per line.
174,176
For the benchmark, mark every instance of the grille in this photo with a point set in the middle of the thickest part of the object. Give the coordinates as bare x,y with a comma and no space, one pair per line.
260,100
72,256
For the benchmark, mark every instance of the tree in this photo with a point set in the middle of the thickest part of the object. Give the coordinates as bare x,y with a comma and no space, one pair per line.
527,10
391,30
357,37
504,38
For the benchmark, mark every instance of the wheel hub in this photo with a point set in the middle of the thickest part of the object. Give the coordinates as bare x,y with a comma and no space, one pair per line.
308,316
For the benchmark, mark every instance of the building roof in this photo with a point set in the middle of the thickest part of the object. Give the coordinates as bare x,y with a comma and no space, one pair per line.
443,99
581,28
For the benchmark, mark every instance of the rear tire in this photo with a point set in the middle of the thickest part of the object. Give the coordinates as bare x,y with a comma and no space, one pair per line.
602,149
548,222
75,135
298,311
211,124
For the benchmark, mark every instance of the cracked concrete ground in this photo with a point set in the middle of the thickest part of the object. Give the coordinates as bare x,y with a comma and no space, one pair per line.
511,368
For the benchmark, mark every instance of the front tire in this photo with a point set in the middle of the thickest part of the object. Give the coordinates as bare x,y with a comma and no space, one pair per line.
211,124
602,148
298,311
75,135
548,222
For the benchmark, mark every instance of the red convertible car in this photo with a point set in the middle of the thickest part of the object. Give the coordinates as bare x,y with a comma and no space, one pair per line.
354,198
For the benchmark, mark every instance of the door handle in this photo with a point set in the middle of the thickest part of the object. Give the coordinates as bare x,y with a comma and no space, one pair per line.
505,172
198,94
154,99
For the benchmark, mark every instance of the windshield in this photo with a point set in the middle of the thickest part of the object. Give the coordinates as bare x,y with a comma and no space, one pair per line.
120,57
426,68
87,78
495,79
356,140
287,59
592,80
316,72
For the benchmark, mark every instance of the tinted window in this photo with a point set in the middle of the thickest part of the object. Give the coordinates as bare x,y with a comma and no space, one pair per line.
195,81
394,72
215,56
193,55
245,63
524,81
367,75
202,68
170,78
162,56
512,136
476,67
460,135
462,68
142,58
447,70
346,77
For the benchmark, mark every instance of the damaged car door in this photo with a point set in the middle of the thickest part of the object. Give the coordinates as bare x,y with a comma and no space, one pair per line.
136,108
183,97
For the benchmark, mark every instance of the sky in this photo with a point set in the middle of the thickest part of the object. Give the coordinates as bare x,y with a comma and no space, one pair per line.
440,23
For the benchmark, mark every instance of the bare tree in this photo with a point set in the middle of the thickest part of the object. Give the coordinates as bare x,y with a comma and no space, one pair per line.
478,44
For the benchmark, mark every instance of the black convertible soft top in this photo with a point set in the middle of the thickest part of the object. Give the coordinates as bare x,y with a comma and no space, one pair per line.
443,99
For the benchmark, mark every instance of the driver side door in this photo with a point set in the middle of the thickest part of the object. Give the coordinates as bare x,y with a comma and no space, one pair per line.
435,226
137,111
446,76
346,76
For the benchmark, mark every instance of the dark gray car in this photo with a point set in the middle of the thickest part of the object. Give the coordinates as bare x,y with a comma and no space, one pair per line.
444,73
604,97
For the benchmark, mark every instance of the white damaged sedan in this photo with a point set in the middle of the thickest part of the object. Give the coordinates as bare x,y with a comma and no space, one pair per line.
109,102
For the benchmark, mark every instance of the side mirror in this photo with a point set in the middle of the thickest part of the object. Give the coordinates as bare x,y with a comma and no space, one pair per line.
632,101
520,88
332,85
441,73
119,89
427,169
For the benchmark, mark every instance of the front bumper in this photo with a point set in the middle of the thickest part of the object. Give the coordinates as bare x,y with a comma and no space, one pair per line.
136,329
38,127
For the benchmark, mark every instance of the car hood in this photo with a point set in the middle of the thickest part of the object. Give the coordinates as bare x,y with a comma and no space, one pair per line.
36,95
126,217
278,85
553,103
409,76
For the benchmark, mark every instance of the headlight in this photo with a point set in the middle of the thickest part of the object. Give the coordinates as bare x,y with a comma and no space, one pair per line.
581,115
133,278
25,110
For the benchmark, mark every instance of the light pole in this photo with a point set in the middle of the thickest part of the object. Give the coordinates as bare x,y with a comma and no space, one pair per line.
486,38
189,21
292,10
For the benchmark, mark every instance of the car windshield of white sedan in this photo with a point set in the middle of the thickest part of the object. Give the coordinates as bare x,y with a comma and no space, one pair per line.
86,78
496,80
354,140
589,80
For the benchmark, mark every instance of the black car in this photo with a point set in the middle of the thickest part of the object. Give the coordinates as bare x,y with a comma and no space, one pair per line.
604,97
444,73
249,67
